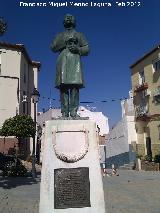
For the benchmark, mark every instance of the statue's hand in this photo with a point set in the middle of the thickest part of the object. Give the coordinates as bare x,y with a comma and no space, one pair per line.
74,49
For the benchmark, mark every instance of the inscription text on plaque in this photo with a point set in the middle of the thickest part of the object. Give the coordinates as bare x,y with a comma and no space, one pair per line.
71,188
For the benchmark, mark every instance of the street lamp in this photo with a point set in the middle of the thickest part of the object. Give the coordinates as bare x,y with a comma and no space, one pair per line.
35,97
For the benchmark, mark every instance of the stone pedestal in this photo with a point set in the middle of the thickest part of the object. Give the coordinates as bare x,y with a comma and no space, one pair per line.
71,179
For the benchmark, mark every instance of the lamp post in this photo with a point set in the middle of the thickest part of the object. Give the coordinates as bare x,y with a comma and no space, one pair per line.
35,97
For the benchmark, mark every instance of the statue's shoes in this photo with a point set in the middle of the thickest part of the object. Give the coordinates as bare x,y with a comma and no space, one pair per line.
64,115
74,115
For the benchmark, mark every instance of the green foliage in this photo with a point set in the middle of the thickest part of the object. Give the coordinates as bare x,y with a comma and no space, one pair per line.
7,129
13,170
20,126
139,156
157,158
148,158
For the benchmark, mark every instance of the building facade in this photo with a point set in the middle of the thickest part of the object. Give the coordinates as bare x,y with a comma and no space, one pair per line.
98,117
18,77
145,77
122,137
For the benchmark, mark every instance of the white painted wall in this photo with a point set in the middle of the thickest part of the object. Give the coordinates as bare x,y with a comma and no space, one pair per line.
42,117
8,97
128,115
123,133
127,106
132,135
10,62
117,142
12,65
98,117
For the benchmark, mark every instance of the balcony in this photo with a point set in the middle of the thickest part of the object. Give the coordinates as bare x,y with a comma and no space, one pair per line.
157,95
141,113
141,87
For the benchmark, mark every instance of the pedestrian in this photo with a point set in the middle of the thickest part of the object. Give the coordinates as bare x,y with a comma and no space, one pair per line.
114,171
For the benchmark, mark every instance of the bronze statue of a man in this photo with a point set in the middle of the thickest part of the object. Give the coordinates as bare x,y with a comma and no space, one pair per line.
69,76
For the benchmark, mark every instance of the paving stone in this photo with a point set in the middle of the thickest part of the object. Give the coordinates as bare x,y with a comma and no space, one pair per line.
130,192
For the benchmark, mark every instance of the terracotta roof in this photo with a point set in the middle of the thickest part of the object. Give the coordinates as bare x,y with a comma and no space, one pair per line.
145,56
21,48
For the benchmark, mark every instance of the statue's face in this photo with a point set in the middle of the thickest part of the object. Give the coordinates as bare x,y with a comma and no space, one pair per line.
69,21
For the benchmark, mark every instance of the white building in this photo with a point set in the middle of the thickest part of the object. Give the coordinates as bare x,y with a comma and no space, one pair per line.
100,119
18,77
48,115
122,136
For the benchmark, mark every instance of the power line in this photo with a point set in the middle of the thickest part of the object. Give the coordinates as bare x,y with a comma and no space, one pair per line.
91,102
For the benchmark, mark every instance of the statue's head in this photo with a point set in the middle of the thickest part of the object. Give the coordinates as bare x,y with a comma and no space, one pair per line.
69,21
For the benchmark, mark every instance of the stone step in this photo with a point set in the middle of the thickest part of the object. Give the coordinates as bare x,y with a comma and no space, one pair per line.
127,166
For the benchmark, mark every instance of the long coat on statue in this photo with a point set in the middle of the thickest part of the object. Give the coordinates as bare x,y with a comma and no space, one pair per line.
69,68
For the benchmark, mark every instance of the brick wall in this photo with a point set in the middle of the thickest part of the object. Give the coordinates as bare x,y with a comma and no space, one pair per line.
7,145
101,140
150,166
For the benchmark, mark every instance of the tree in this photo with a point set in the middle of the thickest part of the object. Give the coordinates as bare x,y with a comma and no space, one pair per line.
20,126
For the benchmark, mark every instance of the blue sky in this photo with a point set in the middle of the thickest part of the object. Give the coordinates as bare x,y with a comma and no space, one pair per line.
117,36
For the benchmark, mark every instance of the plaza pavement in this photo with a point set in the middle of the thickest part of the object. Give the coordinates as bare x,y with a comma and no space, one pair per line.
130,192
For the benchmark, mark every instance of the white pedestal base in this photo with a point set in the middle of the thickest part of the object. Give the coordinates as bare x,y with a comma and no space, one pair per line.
70,144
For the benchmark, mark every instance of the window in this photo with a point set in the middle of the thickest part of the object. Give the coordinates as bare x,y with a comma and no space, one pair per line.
141,77
156,65
157,95
143,107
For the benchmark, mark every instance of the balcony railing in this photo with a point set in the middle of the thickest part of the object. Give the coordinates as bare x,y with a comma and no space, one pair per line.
141,87
141,111
157,91
157,95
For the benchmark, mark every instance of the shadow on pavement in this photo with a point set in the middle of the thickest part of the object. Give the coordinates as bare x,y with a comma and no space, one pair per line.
13,182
